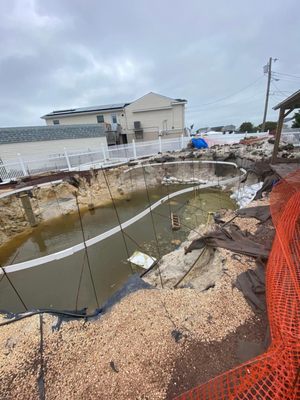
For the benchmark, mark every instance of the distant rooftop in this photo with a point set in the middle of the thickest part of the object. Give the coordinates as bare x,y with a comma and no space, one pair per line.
68,111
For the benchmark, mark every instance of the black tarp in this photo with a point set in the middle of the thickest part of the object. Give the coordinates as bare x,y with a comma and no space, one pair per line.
232,238
262,213
252,284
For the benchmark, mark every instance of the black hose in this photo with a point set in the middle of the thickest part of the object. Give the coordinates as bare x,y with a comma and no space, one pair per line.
71,314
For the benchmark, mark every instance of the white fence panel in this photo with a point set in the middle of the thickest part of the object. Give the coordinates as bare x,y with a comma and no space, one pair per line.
10,171
78,160
231,138
172,144
122,152
51,163
145,149
291,137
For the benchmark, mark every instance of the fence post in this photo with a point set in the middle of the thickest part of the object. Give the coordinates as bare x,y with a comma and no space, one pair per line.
21,161
103,153
159,144
67,159
134,148
182,141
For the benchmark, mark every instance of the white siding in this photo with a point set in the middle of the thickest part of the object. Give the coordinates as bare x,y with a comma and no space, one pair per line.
8,152
156,113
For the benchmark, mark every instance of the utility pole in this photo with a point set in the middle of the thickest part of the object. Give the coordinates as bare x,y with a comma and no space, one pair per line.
269,70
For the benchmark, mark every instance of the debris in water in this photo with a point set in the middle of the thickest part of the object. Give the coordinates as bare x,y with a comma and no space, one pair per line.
142,260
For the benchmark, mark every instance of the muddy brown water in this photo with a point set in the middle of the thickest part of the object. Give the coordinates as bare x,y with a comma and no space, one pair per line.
66,283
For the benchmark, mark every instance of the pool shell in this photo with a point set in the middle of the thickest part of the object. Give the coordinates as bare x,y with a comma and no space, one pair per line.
75,259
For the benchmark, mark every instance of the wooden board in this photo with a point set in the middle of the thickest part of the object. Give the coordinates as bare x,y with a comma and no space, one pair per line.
284,169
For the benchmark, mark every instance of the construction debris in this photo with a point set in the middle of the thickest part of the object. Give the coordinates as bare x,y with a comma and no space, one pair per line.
142,260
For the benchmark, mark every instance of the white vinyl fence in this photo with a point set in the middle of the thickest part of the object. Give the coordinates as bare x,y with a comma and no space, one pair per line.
103,156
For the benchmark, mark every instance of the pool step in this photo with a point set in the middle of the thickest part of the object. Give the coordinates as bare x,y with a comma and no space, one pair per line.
175,222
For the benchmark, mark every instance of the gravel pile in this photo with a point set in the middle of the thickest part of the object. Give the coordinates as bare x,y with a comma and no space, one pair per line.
20,359
131,352
128,354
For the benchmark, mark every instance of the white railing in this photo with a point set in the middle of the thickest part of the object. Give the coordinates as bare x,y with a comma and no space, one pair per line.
104,156
291,136
231,138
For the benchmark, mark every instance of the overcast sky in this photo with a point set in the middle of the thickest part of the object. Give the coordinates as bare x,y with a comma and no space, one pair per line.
69,53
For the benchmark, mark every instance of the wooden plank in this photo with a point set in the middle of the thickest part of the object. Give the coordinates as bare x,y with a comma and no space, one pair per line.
284,169
278,136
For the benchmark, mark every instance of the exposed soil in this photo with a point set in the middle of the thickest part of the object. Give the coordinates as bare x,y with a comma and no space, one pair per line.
201,362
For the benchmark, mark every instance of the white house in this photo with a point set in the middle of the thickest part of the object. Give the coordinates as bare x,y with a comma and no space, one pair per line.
143,119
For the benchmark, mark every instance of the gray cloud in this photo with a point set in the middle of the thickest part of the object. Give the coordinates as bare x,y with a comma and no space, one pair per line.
66,53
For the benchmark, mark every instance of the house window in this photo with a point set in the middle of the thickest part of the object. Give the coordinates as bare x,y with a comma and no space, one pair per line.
139,134
113,118
100,119
56,122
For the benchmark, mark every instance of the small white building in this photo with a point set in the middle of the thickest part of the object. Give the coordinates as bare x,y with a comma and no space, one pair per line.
143,119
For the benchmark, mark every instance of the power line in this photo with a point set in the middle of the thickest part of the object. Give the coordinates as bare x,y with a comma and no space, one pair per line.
231,95
288,80
290,75
248,99
283,92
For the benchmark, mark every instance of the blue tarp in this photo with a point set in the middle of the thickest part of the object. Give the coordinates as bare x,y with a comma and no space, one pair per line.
199,143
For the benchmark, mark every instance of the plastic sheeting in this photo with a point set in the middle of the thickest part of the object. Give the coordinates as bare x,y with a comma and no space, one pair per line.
244,196
232,239
199,143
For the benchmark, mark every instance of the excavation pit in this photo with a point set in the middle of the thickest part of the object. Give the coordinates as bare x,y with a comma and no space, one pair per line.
77,257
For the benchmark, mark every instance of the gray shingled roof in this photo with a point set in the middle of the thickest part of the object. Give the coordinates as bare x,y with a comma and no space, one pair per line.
52,132
57,113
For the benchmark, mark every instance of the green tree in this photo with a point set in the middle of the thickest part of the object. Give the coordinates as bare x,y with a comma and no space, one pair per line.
246,127
296,122
269,126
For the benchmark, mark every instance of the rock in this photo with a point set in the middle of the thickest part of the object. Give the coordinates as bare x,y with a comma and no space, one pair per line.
287,147
165,158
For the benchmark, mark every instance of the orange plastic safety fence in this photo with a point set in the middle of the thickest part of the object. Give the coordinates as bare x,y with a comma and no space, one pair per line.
275,374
